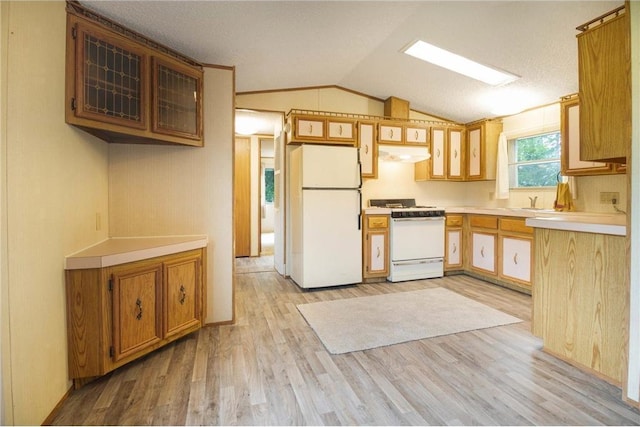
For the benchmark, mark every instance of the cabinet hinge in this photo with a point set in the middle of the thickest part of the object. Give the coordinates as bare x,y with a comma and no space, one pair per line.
112,351
74,33
111,284
73,104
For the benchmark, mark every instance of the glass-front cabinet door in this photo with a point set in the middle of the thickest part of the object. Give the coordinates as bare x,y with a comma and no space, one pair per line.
177,100
110,84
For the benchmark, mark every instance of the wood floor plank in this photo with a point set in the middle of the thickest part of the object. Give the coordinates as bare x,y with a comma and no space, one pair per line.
270,368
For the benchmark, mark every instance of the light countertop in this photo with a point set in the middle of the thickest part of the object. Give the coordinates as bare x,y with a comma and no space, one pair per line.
122,250
587,222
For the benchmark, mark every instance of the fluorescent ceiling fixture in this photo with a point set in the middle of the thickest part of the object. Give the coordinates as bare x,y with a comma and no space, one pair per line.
443,58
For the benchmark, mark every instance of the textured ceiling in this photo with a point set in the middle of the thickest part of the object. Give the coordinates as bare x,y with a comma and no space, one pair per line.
357,45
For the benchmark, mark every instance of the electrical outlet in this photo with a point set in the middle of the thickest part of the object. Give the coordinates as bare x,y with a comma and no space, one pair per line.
607,197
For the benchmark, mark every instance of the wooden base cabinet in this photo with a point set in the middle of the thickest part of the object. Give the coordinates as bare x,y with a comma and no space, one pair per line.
453,259
376,247
483,239
516,251
117,314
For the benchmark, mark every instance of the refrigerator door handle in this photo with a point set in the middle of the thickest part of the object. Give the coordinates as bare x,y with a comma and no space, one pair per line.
359,210
359,169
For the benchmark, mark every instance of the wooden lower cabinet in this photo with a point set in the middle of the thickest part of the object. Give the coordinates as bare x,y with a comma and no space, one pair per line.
376,247
483,252
516,259
117,314
453,258
500,251
581,300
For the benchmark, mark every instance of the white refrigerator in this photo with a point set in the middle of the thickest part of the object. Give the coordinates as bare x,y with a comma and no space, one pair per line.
326,206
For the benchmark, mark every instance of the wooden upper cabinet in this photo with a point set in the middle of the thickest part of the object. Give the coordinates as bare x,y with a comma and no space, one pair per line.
455,154
415,134
108,86
368,149
570,140
320,129
122,90
604,77
341,131
438,158
390,132
482,150
176,104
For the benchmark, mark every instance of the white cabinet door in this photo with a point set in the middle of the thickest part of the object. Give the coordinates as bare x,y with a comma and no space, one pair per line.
516,258
310,128
570,130
338,130
437,154
475,146
483,253
454,248
416,135
390,133
455,155
368,157
377,260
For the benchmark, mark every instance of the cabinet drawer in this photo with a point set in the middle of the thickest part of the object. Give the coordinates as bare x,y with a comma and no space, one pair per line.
483,221
377,222
454,221
515,225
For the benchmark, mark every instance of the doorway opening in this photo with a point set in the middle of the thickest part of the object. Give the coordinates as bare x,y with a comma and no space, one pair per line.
258,216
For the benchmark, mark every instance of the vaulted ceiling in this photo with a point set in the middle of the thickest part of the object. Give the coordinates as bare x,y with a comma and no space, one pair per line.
358,45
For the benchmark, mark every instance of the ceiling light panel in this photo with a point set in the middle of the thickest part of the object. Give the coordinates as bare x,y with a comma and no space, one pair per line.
459,64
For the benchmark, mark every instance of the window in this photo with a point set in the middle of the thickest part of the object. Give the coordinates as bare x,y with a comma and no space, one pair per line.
534,161
268,185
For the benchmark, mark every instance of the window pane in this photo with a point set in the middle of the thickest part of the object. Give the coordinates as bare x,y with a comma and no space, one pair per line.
268,185
538,174
538,147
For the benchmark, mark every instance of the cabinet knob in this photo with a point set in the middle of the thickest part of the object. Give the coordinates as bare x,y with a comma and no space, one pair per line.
183,294
340,130
455,154
482,252
455,248
366,149
378,254
438,152
416,137
475,153
390,133
515,258
139,309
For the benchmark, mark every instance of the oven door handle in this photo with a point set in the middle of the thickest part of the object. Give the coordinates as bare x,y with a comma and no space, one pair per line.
420,261
432,218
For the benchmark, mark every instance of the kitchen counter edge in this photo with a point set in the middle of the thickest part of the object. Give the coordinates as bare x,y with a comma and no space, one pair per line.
122,250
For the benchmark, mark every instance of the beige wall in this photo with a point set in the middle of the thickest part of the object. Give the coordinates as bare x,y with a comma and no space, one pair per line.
56,183
164,190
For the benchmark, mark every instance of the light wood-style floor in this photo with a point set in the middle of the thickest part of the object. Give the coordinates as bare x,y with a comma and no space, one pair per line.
269,368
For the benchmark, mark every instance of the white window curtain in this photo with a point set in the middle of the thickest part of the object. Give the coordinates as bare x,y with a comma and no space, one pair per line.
502,169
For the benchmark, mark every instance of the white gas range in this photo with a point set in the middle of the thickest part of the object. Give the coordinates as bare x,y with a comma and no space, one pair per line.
416,244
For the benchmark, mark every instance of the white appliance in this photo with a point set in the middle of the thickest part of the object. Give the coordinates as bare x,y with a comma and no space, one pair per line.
416,245
326,206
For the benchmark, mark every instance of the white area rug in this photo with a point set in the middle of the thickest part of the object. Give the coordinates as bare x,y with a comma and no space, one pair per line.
362,323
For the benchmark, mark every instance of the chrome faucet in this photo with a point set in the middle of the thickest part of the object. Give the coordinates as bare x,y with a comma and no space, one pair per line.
533,201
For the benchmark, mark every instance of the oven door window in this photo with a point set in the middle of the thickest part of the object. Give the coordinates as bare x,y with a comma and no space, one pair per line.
417,238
